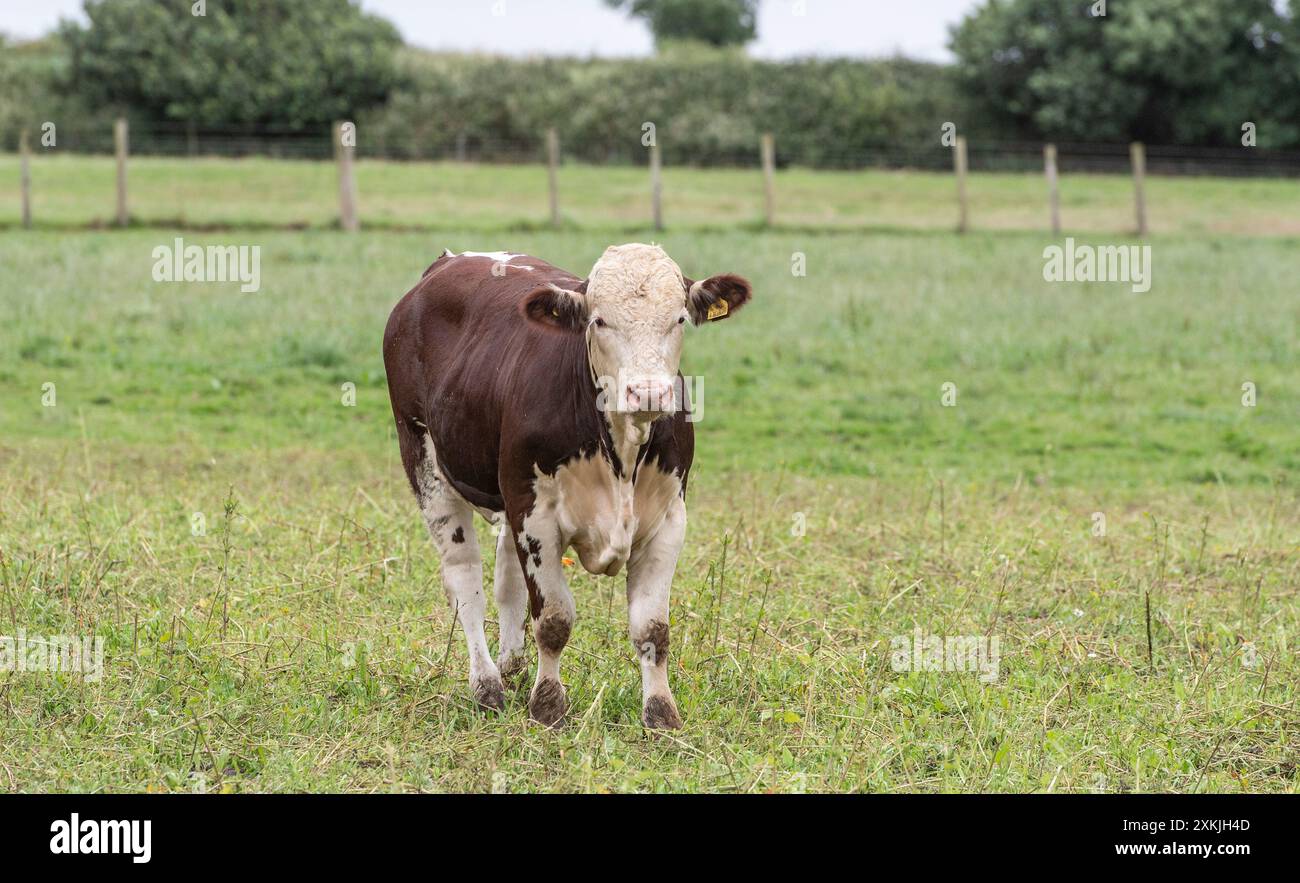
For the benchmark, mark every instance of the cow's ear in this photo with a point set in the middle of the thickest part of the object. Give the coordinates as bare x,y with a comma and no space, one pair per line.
716,297
557,307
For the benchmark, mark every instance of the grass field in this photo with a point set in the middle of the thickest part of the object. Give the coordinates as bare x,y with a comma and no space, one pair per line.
300,640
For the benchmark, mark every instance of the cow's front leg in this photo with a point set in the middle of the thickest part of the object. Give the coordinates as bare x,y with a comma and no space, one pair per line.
512,606
451,525
649,579
541,554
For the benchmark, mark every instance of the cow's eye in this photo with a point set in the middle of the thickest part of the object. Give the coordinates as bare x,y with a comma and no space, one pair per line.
681,319
600,323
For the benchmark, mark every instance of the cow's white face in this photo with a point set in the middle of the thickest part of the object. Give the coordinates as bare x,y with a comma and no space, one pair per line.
636,312
633,314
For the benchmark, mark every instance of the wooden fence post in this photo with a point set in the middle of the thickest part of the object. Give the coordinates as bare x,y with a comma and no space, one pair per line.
25,177
348,219
767,147
656,186
959,164
120,148
1053,188
1138,155
552,173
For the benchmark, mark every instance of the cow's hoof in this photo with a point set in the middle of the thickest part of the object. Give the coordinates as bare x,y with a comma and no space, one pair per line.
490,694
660,713
548,703
512,664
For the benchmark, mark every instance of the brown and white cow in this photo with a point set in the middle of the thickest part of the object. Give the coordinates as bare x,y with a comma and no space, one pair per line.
548,403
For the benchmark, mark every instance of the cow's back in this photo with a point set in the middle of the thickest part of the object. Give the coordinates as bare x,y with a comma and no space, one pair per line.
465,365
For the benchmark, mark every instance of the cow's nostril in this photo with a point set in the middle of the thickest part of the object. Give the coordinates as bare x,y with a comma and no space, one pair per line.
651,396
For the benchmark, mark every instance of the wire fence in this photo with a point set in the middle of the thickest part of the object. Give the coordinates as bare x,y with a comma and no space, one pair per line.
200,194
178,140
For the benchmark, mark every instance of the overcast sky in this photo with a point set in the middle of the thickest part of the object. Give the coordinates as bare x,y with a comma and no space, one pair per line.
918,28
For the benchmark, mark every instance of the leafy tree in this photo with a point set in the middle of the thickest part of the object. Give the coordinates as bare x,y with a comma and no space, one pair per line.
31,94
293,63
1181,71
716,22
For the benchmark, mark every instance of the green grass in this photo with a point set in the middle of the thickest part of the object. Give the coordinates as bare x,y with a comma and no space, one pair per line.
301,641
838,372
71,190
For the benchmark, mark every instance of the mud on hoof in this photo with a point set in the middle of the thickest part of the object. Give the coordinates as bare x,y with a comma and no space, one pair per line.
660,713
548,703
512,665
490,694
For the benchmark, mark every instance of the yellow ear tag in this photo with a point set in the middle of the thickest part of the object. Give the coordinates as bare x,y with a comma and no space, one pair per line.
717,310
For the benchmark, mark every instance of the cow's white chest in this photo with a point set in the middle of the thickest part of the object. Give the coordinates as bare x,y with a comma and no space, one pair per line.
600,515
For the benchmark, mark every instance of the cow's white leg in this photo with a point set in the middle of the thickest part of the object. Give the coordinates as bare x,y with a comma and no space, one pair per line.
451,525
551,604
649,579
512,606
